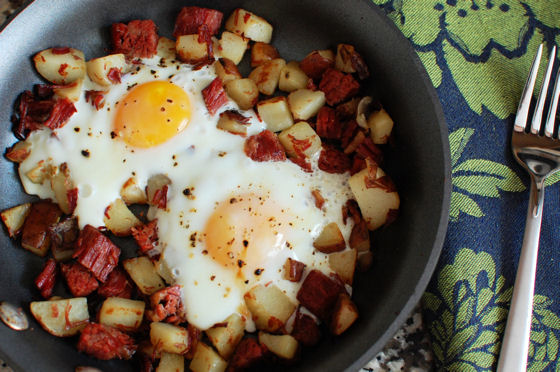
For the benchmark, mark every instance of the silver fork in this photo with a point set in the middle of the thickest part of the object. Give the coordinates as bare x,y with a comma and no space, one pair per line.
540,156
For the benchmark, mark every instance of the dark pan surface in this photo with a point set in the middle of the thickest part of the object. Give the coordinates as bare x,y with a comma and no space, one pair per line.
405,253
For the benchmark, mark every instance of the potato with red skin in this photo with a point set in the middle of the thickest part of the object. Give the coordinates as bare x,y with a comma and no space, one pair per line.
344,315
293,270
35,232
316,63
105,343
306,330
14,218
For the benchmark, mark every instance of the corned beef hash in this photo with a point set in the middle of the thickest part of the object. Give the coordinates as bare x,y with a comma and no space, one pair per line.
261,192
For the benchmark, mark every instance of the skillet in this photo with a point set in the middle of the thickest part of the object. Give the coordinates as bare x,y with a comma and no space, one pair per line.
406,252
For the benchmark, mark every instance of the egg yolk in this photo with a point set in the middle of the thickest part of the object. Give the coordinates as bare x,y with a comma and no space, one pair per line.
152,113
246,232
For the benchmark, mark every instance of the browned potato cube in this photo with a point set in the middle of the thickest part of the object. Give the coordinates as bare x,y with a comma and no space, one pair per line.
191,50
233,122
344,264
284,346
119,219
156,190
64,189
60,65
171,363
170,338
207,360
250,25
359,237
122,313
269,307
377,200
227,70
293,270
266,76
330,240
14,218
99,69
275,113
166,48
232,46
297,134
349,61
144,274
316,62
244,92
344,315
226,337
35,233
131,193
72,91
261,53
62,318
365,260
19,151
40,172
305,103
292,78
380,125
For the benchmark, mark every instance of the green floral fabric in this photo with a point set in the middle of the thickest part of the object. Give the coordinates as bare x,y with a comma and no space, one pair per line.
478,54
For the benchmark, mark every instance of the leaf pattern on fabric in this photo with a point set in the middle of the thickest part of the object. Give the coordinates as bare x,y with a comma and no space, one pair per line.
469,315
476,177
511,28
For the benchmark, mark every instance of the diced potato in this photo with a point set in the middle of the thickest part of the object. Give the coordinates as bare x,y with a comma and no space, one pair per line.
381,125
61,318
166,48
305,103
250,25
225,338
63,187
60,65
376,203
71,91
300,132
349,61
171,363
40,172
269,307
232,46
19,151
145,347
35,235
344,315
316,62
284,346
99,69
292,78
244,92
227,70
119,219
344,264
191,50
131,193
14,218
261,53
266,76
122,313
157,185
275,113
169,338
207,360
163,270
330,240
293,270
144,274
359,237
233,122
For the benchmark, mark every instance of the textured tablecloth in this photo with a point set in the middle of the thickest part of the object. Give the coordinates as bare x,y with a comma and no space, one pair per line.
478,54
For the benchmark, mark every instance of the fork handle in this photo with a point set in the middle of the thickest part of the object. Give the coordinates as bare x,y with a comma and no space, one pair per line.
515,344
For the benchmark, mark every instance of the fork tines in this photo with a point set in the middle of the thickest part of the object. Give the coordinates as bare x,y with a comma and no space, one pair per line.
525,103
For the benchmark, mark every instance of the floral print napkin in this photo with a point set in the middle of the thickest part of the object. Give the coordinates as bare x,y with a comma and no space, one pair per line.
478,54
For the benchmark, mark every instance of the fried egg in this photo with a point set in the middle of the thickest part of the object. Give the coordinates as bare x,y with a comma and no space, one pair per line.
230,223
